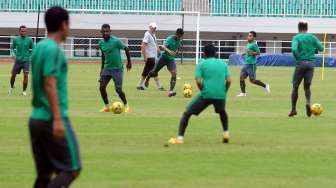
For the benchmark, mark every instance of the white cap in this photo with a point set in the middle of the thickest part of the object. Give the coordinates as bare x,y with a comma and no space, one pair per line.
153,25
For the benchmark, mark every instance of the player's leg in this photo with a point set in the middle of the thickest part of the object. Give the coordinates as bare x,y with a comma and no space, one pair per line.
42,163
243,76
297,79
25,78
158,66
252,72
104,80
118,84
308,77
147,68
15,70
64,154
171,65
195,107
219,106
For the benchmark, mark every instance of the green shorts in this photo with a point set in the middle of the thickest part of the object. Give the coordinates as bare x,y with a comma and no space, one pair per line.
249,70
198,104
303,71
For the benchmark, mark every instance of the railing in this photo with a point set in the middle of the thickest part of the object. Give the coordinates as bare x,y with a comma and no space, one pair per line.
265,8
87,48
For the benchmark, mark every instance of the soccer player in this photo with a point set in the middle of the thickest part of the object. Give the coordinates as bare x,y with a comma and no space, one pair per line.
112,66
21,48
170,48
150,51
250,66
54,144
304,47
213,80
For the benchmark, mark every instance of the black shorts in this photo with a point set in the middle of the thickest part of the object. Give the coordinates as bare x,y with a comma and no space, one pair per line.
163,61
149,66
249,70
20,65
115,74
303,71
53,155
198,104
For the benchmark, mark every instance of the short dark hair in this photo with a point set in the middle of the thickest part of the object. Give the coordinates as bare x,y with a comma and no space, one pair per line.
22,27
179,31
253,33
54,17
209,50
105,26
303,26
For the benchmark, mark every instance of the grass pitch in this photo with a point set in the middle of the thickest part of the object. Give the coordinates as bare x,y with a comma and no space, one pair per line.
267,149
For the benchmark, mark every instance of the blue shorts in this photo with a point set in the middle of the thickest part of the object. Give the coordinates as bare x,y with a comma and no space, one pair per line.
163,61
20,65
115,74
249,70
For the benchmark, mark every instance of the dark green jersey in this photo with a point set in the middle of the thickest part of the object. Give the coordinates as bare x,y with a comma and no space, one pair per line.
48,60
172,44
22,47
111,51
304,47
251,47
214,73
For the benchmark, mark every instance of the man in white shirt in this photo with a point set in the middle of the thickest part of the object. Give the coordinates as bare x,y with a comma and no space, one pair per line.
150,51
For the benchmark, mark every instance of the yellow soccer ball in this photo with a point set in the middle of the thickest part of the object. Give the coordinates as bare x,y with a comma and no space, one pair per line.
187,93
117,108
316,109
187,86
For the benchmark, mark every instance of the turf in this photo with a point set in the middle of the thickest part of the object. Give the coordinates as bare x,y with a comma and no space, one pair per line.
267,149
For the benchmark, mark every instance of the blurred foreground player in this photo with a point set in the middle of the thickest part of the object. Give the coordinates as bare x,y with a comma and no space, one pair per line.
54,144
213,80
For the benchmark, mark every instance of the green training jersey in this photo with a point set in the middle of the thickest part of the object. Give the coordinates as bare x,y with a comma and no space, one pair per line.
304,47
214,73
21,47
111,51
172,44
251,47
48,60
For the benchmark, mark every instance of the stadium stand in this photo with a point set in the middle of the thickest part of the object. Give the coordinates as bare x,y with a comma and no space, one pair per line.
259,8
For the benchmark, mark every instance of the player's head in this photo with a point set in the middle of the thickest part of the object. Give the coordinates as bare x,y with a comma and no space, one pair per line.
303,26
105,31
179,33
57,21
209,51
251,36
152,27
23,30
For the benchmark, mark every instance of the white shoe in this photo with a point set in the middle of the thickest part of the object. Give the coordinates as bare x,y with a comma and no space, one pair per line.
268,88
10,91
242,95
24,93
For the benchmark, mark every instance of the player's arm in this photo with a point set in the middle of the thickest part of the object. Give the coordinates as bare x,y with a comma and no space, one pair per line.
255,51
143,50
128,55
51,91
295,47
13,47
171,52
318,44
198,76
228,83
199,83
102,62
